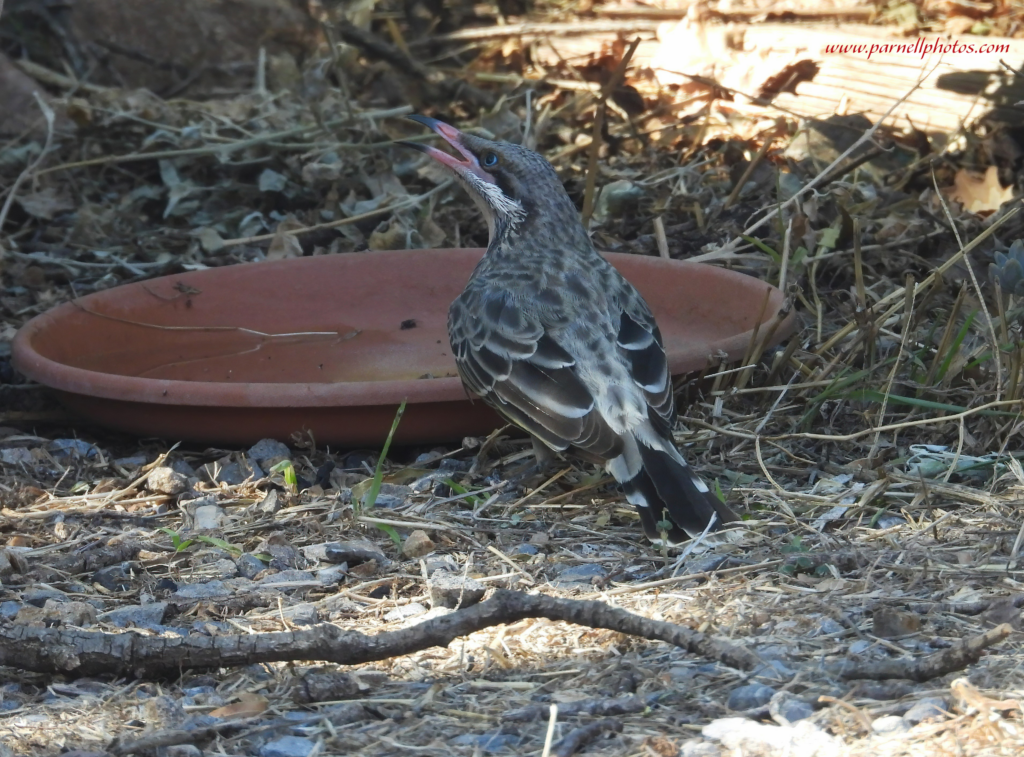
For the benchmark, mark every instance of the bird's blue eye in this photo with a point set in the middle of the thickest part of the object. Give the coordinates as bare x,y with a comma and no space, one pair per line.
490,160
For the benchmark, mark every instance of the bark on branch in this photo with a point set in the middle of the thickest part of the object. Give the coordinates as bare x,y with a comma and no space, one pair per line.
448,89
957,657
91,653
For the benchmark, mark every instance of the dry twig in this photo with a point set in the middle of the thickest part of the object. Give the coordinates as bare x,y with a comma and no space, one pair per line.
89,653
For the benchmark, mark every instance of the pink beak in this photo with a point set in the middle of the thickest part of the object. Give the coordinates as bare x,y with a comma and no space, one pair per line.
451,135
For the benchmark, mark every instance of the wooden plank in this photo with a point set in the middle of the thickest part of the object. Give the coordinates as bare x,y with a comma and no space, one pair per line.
959,86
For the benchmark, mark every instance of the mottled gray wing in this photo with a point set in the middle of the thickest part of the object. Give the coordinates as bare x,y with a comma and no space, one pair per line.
505,357
643,348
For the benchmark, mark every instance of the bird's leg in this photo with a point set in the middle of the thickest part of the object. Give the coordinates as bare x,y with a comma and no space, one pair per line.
545,456
545,460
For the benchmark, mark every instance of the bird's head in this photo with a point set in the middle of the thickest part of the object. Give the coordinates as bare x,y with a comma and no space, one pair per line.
513,186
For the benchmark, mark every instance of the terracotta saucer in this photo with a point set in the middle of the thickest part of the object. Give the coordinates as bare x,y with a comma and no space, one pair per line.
328,344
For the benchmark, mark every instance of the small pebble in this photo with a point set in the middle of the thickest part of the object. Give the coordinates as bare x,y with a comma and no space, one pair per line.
404,612
38,597
114,577
166,480
417,544
830,626
450,590
290,576
750,697
890,725
207,590
888,521
775,669
399,493
17,455
579,576
388,501
209,518
332,575
435,562
267,449
234,474
163,712
353,552
270,503
182,467
786,708
223,568
304,614
931,708
249,566
287,746
73,447
135,615
699,748
860,646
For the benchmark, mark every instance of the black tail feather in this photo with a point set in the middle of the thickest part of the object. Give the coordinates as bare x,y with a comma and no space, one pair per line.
673,492
641,492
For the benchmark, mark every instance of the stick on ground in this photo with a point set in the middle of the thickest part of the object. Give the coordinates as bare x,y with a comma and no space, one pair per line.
89,653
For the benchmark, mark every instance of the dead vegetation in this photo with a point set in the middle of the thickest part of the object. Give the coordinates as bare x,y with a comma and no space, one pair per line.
877,577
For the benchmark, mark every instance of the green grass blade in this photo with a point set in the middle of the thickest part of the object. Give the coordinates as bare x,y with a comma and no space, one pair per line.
378,474
460,489
954,348
873,395
763,248
391,532
286,468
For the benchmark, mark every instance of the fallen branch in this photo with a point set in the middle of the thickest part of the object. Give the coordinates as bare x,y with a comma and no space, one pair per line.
592,707
89,653
531,29
580,737
957,657
123,745
613,83
450,89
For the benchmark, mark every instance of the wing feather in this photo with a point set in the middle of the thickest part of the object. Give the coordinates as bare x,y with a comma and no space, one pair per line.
641,345
505,356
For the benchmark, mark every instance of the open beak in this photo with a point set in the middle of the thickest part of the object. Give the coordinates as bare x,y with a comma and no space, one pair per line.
468,162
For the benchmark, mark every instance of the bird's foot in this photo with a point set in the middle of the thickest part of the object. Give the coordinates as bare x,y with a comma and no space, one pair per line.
530,475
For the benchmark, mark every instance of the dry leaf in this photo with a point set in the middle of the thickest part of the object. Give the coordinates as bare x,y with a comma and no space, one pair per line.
248,705
45,204
285,245
209,239
979,193
389,235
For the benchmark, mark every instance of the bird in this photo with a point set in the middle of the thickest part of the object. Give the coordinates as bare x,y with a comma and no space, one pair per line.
558,342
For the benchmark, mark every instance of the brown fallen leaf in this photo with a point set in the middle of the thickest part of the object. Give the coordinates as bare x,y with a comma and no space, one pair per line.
285,245
248,705
979,193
